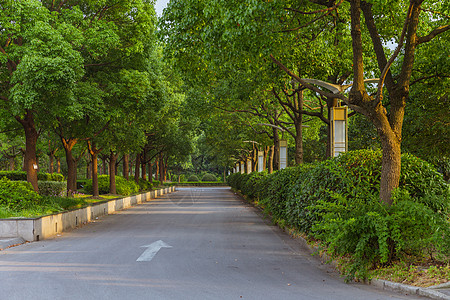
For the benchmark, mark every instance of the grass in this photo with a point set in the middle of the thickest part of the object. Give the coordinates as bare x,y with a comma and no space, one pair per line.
50,205
424,274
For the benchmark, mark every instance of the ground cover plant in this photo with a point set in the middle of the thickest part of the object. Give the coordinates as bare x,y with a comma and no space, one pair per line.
336,202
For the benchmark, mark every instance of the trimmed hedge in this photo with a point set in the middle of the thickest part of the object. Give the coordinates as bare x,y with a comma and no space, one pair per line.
193,178
337,202
17,195
22,176
52,188
145,185
123,187
209,177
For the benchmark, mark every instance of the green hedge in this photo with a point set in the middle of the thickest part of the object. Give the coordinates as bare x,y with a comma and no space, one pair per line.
17,195
209,177
52,188
123,187
193,178
22,176
145,185
337,201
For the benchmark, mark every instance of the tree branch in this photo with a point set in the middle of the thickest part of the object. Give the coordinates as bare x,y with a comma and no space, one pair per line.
433,34
307,85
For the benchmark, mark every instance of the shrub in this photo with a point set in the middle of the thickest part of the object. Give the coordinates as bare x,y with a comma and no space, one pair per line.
14,175
17,195
56,177
52,188
123,187
337,201
22,176
209,177
193,178
144,185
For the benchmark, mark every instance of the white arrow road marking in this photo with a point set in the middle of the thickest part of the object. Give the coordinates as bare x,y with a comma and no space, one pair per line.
152,249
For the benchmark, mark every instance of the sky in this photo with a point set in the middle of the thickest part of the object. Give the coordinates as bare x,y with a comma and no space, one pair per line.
160,5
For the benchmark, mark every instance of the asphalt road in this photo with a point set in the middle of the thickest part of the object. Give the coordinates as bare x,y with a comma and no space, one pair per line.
202,243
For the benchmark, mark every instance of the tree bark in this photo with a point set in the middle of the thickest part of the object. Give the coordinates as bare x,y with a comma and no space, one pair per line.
161,169
150,172
94,158
112,173
31,136
68,145
126,166
144,165
298,122
271,158
137,167
276,150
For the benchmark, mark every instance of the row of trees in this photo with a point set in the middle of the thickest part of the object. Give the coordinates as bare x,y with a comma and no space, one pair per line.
252,61
88,76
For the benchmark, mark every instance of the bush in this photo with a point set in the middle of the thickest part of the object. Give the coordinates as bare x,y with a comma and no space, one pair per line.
193,178
208,177
337,201
52,188
123,187
17,195
22,176
144,185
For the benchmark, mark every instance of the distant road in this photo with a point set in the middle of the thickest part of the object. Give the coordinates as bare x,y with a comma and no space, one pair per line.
197,243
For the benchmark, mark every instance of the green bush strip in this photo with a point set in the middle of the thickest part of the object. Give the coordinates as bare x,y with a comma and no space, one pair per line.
337,202
22,176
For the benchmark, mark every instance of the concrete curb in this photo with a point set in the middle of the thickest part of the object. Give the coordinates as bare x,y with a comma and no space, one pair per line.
35,229
6,243
413,290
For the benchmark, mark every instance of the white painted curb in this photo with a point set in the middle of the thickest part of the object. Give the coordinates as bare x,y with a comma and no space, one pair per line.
48,226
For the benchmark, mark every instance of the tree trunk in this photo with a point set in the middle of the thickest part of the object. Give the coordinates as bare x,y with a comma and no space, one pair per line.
58,165
271,156
157,168
126,166
12,163
31,136
150,172
104,165
266,152
161,169
95,191
51,157
255,160
276,150
68,145
112,173
299,129
137,167
390,169
88,166
94,158
144,165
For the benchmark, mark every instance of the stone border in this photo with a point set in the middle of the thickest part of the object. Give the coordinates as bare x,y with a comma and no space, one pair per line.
48,226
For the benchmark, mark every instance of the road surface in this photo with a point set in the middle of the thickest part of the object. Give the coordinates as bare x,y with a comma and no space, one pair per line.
198,243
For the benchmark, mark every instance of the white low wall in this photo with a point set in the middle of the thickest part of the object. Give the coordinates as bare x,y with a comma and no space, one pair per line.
48,226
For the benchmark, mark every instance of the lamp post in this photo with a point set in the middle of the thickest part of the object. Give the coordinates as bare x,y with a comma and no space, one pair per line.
338,136
283,153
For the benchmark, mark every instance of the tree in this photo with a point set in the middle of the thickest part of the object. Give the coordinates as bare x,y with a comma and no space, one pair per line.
39,67
388,120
